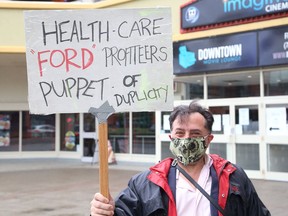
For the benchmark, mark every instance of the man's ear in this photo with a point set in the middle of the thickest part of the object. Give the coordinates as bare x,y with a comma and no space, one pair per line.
210,138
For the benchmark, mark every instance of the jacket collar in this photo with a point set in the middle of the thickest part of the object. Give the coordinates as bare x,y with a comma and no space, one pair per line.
219,164
163,166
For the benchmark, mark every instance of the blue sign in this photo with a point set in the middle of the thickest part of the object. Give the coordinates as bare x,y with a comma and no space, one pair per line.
273,46
206,12
218,53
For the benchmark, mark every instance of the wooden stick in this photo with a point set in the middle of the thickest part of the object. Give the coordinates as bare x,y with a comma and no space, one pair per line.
103,159
102,113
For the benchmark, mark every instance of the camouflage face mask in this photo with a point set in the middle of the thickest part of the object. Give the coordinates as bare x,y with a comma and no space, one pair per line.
188,150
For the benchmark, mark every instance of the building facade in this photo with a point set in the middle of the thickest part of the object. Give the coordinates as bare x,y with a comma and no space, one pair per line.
234,60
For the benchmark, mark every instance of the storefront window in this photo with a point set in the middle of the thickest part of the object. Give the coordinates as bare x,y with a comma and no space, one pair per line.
165,124
276,83
277,158
165,150
89,122
234,85
69,136
221,120
9,131
247,120
118,132
90,147
247,156
89,143
38,132
189,87
218,148
277,120
143,133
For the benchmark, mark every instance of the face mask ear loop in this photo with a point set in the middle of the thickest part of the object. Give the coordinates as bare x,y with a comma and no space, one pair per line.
205,141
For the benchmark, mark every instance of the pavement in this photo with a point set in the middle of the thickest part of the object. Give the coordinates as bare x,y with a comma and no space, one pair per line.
65,187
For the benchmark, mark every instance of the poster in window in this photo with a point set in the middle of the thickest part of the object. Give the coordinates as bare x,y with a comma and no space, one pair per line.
5,130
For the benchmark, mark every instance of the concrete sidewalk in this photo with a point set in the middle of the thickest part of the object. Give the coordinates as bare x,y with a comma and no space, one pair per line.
58,187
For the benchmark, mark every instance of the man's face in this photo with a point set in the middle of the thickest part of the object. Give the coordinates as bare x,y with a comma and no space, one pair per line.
190,126
189,151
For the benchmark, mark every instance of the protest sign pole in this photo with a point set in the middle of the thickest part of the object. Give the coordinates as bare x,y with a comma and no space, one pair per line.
102,113
103,159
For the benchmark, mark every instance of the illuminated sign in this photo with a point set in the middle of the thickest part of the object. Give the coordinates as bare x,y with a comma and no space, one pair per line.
225,52
273,46
199,13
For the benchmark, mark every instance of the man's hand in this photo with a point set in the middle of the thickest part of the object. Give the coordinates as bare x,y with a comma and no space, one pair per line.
100,205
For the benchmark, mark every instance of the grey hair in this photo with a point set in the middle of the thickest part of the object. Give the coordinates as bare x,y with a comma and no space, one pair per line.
182,111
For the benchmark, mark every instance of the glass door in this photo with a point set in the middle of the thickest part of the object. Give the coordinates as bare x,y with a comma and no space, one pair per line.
89,138
248,141
221,131
276,140
237,136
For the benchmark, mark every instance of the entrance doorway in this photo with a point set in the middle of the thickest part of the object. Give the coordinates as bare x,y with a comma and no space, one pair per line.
89,138
237,134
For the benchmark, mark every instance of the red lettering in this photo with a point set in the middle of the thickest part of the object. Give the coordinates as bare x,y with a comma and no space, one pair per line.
41,61
68,57
90,58
56,58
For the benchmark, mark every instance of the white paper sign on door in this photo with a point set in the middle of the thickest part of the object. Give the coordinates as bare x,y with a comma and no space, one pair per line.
276,121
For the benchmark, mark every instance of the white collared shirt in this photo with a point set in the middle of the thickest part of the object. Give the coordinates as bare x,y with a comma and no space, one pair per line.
189,200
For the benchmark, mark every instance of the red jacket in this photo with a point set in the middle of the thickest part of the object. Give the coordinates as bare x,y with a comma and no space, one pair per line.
223,170
149,193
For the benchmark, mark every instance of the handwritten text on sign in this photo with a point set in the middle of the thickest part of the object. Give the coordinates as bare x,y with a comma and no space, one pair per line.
82,58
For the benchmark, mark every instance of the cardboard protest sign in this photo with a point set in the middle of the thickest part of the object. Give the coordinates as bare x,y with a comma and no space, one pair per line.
78,59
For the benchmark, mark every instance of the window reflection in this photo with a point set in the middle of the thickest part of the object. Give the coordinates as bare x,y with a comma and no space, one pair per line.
118,132
234,85
143,133
38,132
165,124
89,147
189,87
9,131
247,120
244,154
221,120
69,136
277,158
218,148
165,150
276,83
89,122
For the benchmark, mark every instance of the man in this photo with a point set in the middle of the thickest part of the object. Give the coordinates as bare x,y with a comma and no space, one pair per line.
163,190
